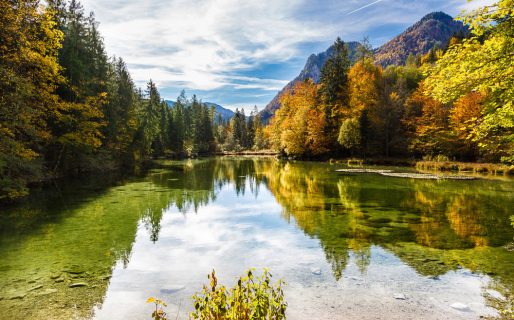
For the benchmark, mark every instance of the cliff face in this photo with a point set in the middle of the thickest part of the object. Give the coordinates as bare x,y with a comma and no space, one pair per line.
434,29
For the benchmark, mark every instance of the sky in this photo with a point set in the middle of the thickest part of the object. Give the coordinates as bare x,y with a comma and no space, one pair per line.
240,53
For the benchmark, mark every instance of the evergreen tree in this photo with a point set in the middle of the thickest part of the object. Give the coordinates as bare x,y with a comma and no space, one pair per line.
334,90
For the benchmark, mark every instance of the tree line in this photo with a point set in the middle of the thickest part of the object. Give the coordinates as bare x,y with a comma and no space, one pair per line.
450,104
67,108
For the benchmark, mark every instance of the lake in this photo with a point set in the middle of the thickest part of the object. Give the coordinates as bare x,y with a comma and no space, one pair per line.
348,246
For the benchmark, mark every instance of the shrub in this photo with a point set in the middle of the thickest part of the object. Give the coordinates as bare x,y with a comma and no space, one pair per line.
252,297
159,313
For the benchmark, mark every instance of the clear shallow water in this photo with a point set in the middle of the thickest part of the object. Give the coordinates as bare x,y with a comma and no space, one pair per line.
370,237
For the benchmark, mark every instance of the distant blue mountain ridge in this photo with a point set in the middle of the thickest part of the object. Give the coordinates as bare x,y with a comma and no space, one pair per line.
226,114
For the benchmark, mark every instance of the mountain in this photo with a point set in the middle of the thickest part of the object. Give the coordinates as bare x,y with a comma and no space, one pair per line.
312,70
225,113
434,29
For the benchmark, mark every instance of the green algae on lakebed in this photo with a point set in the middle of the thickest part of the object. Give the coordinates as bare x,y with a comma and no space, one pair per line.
99,251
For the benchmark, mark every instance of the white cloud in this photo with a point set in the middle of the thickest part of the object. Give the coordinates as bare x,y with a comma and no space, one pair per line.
209,44
205,41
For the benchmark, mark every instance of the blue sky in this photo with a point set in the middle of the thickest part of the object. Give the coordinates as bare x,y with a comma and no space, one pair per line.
239,53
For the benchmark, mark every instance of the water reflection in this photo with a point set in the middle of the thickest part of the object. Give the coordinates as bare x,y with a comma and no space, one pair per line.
370,237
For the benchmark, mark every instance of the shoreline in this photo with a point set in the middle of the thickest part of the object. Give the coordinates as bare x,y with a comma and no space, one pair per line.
495,169
479,169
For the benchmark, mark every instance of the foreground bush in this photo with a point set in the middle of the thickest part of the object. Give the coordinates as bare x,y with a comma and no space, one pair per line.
253,297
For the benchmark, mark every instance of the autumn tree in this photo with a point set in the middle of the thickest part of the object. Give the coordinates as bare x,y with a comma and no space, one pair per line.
432,136
464,117
350,134
29,75
483,63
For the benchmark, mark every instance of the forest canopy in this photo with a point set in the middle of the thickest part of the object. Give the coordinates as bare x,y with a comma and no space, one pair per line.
454,102
67,108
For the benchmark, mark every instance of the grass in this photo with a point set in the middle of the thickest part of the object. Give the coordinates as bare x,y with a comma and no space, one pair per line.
480,168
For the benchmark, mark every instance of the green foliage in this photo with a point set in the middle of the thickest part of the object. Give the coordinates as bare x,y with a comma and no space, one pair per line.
350,133
334,76
29,75
253,297
483,63
457,103
334,90
66,108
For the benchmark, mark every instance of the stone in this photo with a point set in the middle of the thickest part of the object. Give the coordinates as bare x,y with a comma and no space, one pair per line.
61,279
316,271
460,306
364,170
35,288
78,284
55,275
495,294
17,295
47,292
399,296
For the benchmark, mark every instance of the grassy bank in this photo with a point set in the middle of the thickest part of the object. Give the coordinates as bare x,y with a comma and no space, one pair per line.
466,167
496,169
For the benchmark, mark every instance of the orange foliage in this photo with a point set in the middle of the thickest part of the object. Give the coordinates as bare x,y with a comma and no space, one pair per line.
465,113
364,79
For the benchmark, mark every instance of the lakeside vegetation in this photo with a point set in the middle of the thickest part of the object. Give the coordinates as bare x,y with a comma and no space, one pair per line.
66,108
435,227
69,109
252,297
454,102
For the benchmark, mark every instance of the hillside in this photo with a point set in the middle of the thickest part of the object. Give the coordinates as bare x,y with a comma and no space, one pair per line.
312,70
226,114
434,29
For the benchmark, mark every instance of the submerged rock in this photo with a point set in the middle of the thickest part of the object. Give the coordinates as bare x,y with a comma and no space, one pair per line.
78,284
17,295
399,296
35,288
495,294
55,276
411,175
316,271
47,292
460,306
363,170
426,176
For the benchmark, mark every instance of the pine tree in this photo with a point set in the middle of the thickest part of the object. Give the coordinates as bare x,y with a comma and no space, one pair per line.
334,90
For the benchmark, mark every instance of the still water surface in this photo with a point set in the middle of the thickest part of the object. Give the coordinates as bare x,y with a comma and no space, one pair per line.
348,246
